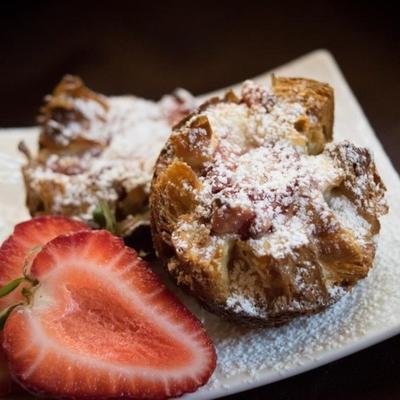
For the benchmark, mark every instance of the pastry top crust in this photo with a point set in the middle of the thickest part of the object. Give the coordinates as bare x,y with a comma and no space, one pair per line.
74,119
317,99
255,214
93,148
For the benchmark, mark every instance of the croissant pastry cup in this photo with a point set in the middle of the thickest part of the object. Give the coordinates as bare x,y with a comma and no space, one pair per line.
255,213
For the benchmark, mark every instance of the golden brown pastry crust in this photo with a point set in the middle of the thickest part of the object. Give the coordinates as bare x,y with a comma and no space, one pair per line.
318,99
254,214
65,126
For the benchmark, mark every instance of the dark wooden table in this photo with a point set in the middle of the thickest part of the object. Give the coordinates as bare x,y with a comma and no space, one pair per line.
151,49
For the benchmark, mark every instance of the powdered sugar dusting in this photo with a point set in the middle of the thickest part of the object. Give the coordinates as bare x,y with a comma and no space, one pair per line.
347,215
271,180
262,190
133,131
240,303
88,110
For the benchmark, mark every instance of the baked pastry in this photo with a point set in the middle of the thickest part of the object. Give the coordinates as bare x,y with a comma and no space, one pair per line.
94,148
255,213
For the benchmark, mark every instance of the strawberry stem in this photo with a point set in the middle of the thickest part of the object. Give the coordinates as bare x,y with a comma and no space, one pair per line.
104,217
10,286
27,294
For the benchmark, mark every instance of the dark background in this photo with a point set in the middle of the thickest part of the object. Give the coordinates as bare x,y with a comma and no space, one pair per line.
150,48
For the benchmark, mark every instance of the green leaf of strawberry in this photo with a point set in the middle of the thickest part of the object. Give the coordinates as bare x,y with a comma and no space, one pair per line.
104,217
9,287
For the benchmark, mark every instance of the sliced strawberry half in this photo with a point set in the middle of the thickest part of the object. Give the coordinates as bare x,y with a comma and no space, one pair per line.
101,324
18,250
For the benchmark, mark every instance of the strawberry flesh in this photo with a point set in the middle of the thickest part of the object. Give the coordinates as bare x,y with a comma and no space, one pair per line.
102,325
15,252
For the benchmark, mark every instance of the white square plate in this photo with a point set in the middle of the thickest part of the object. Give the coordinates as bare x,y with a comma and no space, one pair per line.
248,358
